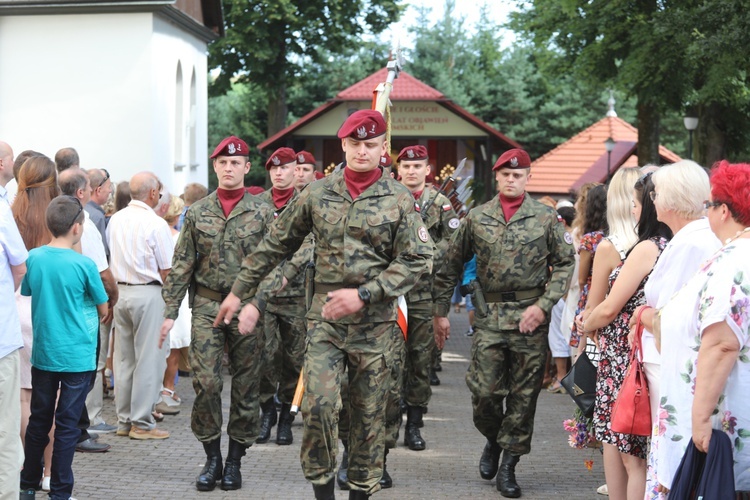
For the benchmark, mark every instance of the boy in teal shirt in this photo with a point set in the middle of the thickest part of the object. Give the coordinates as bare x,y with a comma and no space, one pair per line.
65,289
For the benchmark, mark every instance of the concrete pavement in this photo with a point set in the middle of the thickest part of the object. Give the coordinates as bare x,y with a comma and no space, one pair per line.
447,469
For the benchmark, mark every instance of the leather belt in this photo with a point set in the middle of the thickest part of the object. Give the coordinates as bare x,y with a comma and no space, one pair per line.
139,284
207,293
516,296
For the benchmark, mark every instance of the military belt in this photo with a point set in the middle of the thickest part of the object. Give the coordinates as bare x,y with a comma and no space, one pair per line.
139,284
331,287
516,296
207,293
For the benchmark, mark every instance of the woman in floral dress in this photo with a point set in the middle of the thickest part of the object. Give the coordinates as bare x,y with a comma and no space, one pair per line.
624,454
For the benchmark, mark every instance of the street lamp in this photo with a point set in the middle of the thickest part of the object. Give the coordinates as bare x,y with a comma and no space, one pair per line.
610,145
691,123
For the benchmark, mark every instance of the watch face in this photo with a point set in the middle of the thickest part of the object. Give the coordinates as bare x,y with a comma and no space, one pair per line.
364,294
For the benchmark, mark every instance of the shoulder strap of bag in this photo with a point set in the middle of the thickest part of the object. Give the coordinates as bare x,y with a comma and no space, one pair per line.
637,351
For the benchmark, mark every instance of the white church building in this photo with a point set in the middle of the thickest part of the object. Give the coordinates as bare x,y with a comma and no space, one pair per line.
122,82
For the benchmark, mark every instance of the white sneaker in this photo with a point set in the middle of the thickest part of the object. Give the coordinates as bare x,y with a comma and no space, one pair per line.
602,490
45,483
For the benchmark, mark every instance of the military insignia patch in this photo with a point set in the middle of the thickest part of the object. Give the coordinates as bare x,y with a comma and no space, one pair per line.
514,162
568,238
231,149
423,234
361,132
410,153
453,223
447,207
416,207
301,158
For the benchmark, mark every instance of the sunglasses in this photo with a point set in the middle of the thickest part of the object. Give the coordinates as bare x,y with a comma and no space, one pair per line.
708,204
106,178
80,209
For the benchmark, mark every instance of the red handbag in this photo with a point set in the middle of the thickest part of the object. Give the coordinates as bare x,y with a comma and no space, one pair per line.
631,413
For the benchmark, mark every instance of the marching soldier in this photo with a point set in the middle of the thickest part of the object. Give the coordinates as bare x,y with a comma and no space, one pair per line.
284,321
370,247
219,231
516,240
413,358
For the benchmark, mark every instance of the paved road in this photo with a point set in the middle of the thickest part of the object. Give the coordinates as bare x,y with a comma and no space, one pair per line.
447,469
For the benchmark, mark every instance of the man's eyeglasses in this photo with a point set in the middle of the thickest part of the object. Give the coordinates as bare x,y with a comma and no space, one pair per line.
106,178
708,204
80,209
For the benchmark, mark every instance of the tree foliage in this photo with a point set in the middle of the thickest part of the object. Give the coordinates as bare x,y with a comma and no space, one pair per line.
269,42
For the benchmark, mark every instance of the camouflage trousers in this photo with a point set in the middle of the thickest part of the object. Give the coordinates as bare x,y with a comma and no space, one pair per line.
393,418
362,351
505,376
420,346
206,354
283,351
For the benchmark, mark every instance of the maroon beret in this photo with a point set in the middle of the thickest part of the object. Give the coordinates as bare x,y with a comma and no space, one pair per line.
231,146
319,175
305,158
413,153
386,161
514,159
363,124
281,156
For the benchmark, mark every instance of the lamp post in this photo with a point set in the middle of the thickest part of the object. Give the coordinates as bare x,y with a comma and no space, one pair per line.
691,123
610,145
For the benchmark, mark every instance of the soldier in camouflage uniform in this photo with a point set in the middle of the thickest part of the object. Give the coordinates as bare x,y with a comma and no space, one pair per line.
284,319
517,240
218,232
370,247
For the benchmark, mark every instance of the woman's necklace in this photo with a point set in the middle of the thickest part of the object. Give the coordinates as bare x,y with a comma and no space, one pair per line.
739,233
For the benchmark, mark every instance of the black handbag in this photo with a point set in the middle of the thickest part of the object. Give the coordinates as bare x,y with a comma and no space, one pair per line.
580,383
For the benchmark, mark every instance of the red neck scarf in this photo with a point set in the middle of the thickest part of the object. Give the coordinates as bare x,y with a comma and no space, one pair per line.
358,182
511,205
282,196
418,194
229,198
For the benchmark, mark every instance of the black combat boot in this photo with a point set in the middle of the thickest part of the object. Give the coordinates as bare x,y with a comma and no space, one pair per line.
324,491
489,460
342,477
284,430
232,479
412,437
506,479
434,380
386,481
358,495
211,472
267,421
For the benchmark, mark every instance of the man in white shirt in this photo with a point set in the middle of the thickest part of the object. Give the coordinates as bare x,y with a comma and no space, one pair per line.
101,189
141,248
75,182
13,256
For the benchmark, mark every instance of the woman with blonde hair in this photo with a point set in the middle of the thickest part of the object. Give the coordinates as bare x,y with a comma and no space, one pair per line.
37,186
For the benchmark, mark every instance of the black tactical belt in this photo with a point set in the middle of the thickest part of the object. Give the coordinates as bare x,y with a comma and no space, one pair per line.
517,296
207,293
139,284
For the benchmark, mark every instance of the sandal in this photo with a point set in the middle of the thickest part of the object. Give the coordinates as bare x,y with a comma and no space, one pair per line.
175,400
157,416
556,387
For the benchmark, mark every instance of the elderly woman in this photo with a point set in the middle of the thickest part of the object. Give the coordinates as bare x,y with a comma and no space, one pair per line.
705,367
679,192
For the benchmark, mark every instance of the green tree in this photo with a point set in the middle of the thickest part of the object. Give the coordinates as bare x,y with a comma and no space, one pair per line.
268,43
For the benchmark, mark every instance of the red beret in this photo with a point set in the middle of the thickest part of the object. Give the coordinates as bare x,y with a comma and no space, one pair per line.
514,159
231,146
319,175
386,161
305,158
363,124
281,156
413,153
254,189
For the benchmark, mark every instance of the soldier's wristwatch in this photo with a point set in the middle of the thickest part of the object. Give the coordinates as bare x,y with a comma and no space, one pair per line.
364,294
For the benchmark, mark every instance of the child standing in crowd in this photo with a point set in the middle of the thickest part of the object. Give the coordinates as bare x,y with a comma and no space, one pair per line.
64,287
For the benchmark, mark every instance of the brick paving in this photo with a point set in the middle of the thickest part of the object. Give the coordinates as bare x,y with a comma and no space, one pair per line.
447,469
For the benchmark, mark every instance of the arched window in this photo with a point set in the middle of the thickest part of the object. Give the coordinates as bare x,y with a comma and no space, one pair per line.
179,128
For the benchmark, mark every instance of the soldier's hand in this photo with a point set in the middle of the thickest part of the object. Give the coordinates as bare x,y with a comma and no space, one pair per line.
342,303
248,318
166,327
228,309
284,283
531,318
442,328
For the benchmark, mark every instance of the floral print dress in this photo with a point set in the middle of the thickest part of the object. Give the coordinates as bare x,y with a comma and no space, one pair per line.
719,292
614,362
589,242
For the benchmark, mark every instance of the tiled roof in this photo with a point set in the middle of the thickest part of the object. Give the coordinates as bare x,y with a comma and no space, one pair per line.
405,88
583,158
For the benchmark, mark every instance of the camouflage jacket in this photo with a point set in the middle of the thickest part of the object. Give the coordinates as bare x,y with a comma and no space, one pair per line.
511,256
211,247
377,241
441,221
